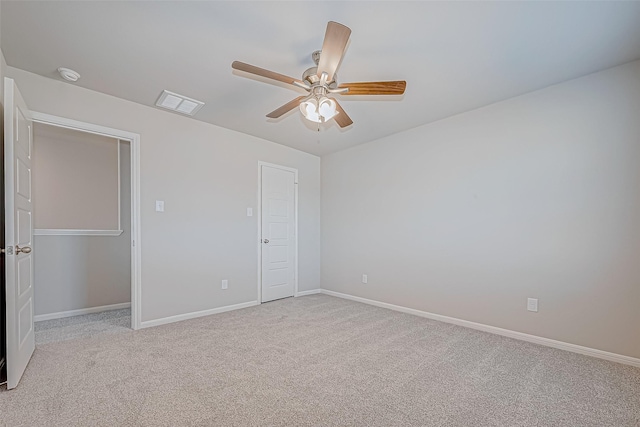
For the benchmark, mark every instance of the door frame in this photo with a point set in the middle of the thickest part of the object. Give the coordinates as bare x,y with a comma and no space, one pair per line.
134,141
295,198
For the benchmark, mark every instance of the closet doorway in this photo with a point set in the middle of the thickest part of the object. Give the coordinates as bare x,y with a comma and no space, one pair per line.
86,232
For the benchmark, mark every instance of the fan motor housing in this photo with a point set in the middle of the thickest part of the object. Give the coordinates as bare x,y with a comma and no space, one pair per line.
311,76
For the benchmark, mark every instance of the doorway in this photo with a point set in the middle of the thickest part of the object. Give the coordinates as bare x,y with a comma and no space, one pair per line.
128,146
82,234
278,232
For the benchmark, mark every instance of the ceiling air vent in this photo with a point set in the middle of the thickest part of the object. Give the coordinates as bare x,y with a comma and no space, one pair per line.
178,103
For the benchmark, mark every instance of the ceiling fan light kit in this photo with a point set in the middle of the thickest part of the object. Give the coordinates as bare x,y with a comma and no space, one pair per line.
318,107
318,111
321,81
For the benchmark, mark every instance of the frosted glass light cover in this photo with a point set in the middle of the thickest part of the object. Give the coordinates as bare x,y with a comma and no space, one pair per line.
327,109
309,109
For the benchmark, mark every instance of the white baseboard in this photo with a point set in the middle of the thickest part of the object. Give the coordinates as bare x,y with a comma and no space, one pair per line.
186,316
600,354
311,292
61,314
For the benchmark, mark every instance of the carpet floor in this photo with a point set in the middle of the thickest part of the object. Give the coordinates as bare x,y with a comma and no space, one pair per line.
84,326
317,361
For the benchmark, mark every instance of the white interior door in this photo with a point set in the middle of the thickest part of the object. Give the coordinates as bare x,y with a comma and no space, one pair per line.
18,233
279,252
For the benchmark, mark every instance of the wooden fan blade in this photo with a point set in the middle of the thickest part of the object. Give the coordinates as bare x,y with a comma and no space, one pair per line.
335,41
285,108
342,118
241,66
375,88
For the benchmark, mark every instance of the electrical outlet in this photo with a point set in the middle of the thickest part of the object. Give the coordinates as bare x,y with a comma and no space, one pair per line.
365,279
532,304
225,284
159,205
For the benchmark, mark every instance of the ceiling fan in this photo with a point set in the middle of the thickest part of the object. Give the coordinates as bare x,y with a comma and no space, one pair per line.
320,81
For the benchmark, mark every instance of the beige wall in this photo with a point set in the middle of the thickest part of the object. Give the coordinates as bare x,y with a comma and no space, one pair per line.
75,179
537,196
207,177
76,272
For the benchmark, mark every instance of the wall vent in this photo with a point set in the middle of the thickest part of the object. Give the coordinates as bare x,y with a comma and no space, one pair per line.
179,103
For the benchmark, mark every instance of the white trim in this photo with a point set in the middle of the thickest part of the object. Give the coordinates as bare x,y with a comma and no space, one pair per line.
82,126
187,316
295,196
136,253
587,351
305,293
119,189
136,234
69,232
81,311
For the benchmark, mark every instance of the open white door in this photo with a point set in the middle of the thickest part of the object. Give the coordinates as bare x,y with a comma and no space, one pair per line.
278,225
18,233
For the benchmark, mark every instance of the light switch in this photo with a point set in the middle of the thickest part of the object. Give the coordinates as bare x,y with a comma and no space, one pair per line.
159,205
249,211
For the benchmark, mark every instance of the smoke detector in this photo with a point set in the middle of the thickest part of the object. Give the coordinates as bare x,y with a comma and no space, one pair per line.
69,74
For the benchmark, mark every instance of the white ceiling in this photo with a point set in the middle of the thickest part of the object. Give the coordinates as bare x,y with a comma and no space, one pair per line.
455,56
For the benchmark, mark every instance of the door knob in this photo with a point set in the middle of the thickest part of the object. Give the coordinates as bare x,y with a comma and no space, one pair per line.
24,249
266,240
